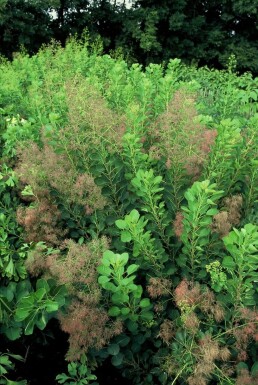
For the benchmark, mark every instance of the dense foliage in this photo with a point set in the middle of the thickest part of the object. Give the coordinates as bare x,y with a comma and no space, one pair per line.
200,32
129,214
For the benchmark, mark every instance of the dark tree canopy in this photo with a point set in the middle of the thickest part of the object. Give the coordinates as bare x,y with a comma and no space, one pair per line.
206,32
197,31
23,23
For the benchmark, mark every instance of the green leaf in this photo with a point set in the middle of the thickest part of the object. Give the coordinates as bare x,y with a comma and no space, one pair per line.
9,269
104,270
127,281
42,284
4,360
72,369
136,182
124,258
212,211
100,181
114,311
134,216
62,378
126,236
110,286
125,311
40,293
228,263
205,221
134,288
41,322
254,369
117,359
145,302
120,298
113,349
21,314
103,279
253,95
211,202
240,366
2,370
132,268
108,256
16,357
189,196
134,317
29,327
121,224
132,326
147,316
51,306
204,232
123,340
138,292
13,333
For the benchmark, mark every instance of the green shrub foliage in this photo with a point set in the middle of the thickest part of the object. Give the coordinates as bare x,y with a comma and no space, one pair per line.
129,212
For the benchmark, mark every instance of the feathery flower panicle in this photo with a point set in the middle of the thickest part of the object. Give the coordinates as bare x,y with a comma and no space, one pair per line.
87,326
208,301
47,171
63,177
59,170
180,137
224,354
166,331
158,287
230,215
187,294
41,222
209,349
91,122
29,169
178,224
206,354
193,380
221,224
242,356
37,261
233,206
228,369
248,314
218,312
155,153
168,164
86,322
191,322
209,137
203,370
181,292
245,332
159,307
244,378
87,193
77,269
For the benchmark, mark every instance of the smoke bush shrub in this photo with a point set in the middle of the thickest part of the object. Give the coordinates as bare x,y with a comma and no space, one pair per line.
139,215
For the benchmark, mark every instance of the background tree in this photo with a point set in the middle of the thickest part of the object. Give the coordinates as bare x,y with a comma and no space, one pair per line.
205,32
100,17
197,31
24,23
